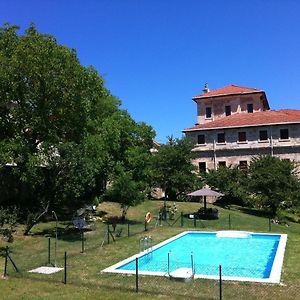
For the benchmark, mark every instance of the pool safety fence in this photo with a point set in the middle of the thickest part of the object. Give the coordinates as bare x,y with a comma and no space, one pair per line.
27,263
225,221
183,284
81,270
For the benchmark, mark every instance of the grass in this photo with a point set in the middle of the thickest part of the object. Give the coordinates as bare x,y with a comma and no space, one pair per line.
85,280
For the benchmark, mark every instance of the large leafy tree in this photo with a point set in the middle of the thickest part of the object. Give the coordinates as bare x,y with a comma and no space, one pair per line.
273,183
172,168
231,181
130,147
60,128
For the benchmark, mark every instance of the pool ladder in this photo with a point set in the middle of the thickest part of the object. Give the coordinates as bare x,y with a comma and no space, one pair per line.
146,244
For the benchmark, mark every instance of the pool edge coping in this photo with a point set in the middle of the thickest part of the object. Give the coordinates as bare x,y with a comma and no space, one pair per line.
274,277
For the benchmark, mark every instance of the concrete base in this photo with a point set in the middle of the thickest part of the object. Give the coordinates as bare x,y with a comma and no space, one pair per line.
46,270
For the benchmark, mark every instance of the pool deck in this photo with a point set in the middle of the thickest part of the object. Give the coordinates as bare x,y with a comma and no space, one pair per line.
274,277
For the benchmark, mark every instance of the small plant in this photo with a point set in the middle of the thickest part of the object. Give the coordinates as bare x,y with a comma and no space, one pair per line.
8,222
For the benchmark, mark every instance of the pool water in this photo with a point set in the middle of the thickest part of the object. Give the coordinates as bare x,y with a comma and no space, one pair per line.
251,256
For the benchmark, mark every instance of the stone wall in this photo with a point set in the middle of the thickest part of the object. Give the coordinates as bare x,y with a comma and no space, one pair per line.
233,151
238,104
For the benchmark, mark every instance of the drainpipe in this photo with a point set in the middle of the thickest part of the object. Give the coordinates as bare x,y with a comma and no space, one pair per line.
214,150
271,142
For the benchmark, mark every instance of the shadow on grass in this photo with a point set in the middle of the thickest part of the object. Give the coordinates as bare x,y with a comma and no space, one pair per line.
252,211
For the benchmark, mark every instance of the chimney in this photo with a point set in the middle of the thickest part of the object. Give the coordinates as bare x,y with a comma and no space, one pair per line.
206,89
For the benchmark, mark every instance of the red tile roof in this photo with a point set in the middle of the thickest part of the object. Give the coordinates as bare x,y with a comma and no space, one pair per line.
251,119
228,90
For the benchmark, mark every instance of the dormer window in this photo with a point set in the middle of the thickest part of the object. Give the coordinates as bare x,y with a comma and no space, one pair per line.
227,110
208,112
250,108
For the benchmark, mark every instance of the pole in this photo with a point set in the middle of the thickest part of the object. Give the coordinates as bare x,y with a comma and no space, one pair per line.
136,275
195,224
169,263
193,263
220,281
269,224
128,229
49,250
65,269
107,233
55,251
181,219
5,264
82,241
229,221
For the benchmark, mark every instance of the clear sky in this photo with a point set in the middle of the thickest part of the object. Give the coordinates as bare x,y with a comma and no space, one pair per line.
155,55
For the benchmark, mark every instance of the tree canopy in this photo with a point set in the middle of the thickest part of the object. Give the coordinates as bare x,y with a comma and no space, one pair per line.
230,181
270,183
273,183
172,169
60,128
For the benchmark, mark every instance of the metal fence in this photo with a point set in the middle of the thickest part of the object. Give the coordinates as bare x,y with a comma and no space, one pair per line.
73,248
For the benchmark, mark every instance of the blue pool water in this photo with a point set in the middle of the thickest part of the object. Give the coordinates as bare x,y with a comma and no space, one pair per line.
250,257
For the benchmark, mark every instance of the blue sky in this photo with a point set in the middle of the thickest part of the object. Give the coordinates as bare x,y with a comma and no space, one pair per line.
155,55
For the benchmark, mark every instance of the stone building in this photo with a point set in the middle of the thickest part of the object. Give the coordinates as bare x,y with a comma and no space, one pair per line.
235,124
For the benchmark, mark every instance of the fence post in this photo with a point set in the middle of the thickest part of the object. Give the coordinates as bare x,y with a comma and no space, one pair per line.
181,219
82,241
65,269
136,275
5,264
108,233
49,250
195,224
269,224
220,281
229,221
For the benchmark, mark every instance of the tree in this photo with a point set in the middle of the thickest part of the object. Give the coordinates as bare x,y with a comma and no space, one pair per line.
172,169
231,181
126,191
273,183
130,145
60,127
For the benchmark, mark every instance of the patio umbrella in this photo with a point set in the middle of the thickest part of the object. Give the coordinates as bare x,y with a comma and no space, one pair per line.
204,193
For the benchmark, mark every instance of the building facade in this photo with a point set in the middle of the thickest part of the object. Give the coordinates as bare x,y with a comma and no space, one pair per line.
236,124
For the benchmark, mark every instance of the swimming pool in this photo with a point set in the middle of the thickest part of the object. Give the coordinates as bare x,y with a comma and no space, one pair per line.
244,256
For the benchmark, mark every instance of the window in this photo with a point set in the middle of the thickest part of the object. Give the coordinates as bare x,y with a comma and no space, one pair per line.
242,136
243,165
284,134
222,163
250,108
227,110
208,112
201,139
221,137
202,167
263,135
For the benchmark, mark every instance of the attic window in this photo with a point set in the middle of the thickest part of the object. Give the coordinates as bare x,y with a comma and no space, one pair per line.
227,110
208,112
250,108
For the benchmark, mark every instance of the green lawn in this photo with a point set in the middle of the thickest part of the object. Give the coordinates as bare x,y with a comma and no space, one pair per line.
85,280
